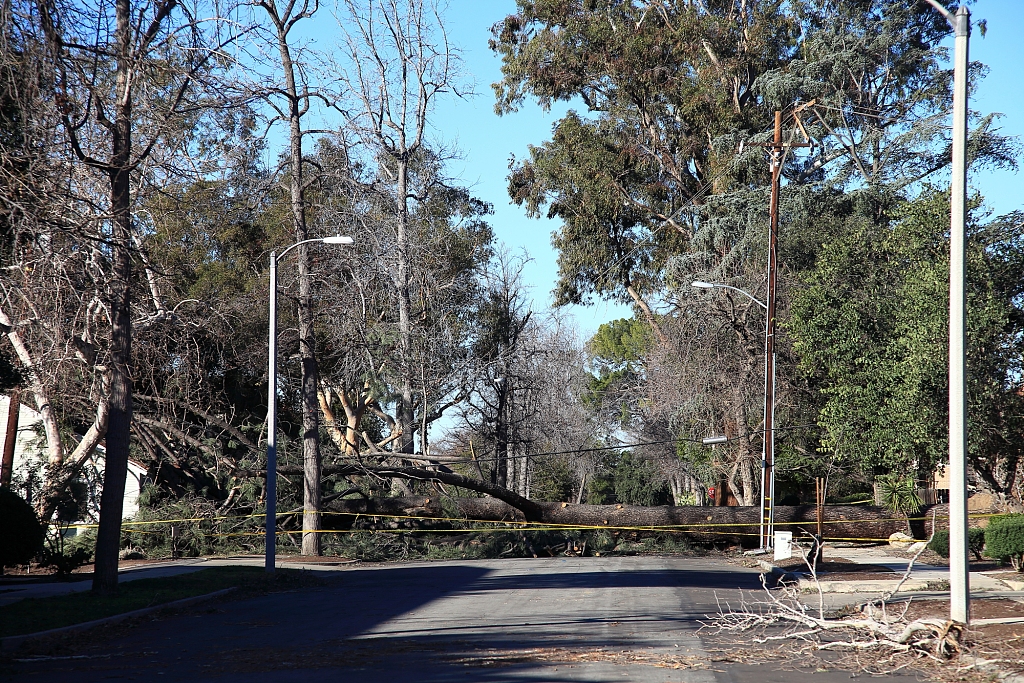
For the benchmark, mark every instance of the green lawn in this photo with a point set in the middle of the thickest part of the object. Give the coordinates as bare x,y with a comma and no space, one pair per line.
41,614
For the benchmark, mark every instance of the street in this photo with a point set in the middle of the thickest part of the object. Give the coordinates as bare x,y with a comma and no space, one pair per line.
555,619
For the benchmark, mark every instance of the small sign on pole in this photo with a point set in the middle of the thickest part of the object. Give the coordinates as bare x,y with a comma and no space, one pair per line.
783,545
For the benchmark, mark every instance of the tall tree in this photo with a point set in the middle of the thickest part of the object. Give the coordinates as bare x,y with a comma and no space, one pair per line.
297,94
872,322
661,82
397,63
121,80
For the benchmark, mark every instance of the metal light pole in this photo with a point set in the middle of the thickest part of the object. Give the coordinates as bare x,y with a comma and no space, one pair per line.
767,471
959,576
271,521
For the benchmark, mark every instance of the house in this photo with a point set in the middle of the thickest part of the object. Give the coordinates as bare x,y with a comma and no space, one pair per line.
23,464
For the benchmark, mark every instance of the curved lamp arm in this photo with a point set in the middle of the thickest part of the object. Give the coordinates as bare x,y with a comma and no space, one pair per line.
333,239
714,285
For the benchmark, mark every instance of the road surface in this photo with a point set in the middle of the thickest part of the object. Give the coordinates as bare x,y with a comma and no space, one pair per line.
494,621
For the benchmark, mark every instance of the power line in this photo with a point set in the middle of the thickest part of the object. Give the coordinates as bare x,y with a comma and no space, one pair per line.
593,449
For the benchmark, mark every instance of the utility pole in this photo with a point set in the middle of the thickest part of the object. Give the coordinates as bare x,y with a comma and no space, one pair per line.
768,453
776,149
959,561
959,576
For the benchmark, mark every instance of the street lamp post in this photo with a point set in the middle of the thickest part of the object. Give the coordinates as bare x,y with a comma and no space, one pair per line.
271,521
767,472
959,577
715,285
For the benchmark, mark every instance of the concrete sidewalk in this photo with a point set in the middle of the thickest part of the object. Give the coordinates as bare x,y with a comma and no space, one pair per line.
924,578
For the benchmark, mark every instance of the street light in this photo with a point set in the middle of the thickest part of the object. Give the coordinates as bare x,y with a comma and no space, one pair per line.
271,526
767,481
714,285
959,577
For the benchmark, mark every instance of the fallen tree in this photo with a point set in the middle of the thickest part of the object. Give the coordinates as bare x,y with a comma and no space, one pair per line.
738,523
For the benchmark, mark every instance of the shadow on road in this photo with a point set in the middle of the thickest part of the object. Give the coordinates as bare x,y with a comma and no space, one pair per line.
521,624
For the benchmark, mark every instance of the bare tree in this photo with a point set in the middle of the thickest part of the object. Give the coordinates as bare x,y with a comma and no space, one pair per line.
295,96
397,62
121,79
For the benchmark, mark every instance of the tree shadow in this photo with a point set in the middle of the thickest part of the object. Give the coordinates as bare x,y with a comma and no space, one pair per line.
350,628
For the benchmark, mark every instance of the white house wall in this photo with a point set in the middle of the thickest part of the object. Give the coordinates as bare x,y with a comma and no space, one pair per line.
30,458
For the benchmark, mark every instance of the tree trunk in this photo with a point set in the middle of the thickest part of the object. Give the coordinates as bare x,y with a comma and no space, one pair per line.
500,476
10,438
405,413
739,524
54,444
119,421
747,480
307,349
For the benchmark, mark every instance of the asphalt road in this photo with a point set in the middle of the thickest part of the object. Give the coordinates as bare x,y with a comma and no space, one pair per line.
500,621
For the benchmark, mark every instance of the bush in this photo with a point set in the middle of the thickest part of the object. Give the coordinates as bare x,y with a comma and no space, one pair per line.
637,482
1004,539
21,534
975,542
64,555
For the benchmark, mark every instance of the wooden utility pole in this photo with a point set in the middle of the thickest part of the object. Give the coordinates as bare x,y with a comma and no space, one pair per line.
776,149
819,504
768,454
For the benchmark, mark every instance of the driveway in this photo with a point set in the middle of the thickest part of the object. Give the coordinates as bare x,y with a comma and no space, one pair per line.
572,619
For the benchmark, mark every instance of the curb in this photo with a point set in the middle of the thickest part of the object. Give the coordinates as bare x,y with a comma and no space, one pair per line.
11,642
853,586
780,575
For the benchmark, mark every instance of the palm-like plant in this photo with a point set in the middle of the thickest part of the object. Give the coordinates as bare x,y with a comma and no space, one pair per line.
900,496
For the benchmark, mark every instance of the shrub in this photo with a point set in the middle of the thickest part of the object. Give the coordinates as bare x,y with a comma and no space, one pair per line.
853,498
637,482
975,542
1004,539
64,555
21,534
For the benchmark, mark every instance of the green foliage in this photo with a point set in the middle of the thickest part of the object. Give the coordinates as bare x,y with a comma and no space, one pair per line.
376,546
899,494
660,86
852,499
21,534
870,325
637,482
64,555
620,345
1004,539
975,542
601,488
554,480
617,356
203,531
